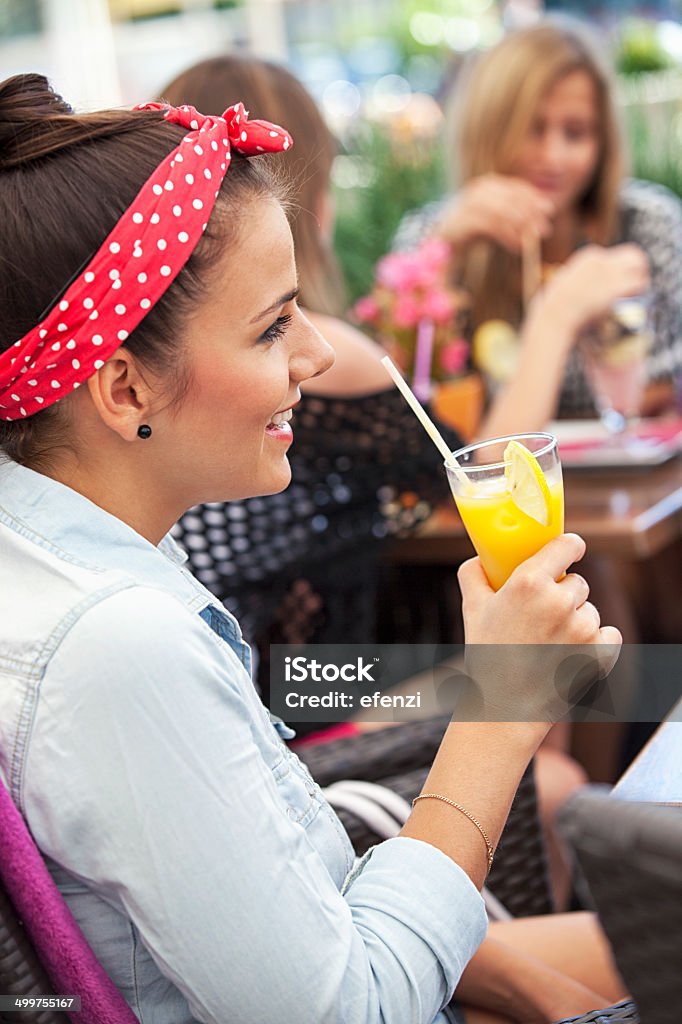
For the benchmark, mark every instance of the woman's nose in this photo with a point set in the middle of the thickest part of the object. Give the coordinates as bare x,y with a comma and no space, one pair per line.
553,150
313,353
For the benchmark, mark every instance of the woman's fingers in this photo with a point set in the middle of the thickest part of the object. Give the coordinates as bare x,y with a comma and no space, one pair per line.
588,623
506,209
577,586
554,558
609,644
473,582
516,215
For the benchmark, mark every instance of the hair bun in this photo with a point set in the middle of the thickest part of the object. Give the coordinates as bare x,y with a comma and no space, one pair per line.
27,102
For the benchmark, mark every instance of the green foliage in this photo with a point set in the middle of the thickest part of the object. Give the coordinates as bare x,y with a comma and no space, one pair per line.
640,50
384,178
653,121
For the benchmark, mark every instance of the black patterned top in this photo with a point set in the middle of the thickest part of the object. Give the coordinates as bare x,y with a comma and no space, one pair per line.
650,216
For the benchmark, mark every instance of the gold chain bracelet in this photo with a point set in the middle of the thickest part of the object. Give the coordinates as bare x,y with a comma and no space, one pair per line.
462,810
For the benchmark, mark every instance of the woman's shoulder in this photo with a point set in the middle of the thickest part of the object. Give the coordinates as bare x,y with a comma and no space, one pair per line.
649,206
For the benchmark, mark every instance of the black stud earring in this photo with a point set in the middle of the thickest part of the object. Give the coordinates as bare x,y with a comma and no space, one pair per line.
144,431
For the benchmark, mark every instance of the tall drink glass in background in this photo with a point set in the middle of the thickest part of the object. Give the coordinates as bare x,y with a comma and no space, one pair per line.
615,350
503,534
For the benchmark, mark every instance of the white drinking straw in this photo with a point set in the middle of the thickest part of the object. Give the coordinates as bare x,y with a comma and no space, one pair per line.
411,399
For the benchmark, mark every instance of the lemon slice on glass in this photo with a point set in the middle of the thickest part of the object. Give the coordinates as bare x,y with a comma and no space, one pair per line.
495,349
527,483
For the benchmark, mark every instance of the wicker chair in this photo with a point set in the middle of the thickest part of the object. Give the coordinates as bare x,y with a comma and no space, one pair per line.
57,954
621,1013
631,856
21,973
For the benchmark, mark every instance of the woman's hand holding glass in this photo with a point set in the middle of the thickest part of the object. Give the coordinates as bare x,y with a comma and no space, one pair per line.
498,207
595,277
536,614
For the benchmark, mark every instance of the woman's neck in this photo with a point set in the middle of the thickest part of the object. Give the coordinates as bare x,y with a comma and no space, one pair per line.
121,487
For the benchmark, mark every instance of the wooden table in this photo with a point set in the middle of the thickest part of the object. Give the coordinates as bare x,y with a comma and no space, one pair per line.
630,515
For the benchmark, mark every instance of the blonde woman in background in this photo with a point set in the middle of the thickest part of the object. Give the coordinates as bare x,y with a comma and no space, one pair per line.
538,162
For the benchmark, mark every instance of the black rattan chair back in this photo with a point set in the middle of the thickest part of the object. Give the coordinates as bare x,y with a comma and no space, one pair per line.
631,857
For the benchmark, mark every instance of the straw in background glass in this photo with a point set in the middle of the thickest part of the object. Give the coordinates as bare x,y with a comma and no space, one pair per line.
531,267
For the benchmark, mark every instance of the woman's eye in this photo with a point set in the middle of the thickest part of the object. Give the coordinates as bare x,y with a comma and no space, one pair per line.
277,329
577,132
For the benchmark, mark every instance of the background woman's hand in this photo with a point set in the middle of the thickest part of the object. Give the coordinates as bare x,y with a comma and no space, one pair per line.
497,207
591,281
533,677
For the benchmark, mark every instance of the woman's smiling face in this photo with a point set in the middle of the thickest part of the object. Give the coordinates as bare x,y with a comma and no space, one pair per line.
248,348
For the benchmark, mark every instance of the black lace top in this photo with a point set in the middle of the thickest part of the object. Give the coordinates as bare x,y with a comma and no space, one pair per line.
302,566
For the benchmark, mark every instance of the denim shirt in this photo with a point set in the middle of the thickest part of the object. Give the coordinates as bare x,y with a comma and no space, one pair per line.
205,867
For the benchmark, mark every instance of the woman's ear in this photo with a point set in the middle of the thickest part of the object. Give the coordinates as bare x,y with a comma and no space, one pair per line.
121,395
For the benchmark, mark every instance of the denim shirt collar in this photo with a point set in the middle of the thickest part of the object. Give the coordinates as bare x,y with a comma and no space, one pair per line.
77,530
71,523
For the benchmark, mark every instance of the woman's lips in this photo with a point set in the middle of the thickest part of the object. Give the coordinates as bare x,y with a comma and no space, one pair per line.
280,426
547,184
280,431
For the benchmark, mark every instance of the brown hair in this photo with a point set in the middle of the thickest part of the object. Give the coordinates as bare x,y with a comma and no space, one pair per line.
269,91
493,108
65,180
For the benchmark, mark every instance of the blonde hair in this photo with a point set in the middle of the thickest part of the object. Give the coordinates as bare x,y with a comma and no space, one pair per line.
493,109
270,92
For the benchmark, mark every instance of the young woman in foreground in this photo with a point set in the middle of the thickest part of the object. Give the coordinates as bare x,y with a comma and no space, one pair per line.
152,347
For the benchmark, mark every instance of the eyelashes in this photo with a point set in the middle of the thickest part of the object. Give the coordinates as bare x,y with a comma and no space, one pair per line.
277,329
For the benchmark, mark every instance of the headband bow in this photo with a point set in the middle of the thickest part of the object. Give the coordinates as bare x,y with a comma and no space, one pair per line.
136,263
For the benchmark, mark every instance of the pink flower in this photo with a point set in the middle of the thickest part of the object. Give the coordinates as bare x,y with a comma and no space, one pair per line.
453,356
431,260
399,271
438,306
366,310
435,254
406,312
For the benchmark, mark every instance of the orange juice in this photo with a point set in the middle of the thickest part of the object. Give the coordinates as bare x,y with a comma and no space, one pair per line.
503,535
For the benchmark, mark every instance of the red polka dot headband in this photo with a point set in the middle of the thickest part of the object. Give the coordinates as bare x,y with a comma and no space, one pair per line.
135,264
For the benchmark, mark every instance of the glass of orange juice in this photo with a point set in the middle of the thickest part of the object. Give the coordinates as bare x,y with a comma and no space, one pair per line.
510,495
